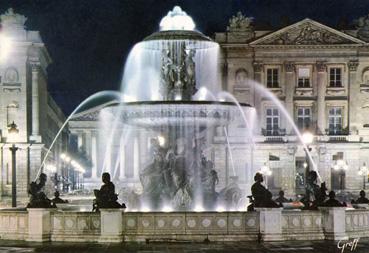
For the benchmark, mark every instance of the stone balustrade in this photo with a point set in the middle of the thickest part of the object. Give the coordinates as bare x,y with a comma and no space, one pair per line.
114,225
13,225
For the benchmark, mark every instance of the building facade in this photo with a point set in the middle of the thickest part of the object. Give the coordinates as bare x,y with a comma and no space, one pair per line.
24,100
320,76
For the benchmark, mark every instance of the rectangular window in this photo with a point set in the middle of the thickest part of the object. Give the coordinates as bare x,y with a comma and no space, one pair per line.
335,120
303,80
335,77
303,117
272,78
272,122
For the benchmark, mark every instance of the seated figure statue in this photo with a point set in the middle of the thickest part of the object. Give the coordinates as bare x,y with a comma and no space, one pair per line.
57,199
332,201
38,197
281,199
106,197
362,199
262,197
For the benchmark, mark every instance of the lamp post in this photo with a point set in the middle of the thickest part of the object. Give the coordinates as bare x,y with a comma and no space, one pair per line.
12,137
363,171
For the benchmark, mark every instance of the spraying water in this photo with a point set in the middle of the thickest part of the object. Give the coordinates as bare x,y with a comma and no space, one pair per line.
99,98
264,91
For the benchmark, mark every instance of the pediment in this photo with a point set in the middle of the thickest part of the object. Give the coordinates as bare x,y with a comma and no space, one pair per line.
307,32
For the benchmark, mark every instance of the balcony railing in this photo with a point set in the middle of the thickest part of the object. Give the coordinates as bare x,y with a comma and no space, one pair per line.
273,132
337,131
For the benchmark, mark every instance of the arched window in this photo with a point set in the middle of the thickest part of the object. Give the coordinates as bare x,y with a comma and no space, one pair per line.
365,76
241,76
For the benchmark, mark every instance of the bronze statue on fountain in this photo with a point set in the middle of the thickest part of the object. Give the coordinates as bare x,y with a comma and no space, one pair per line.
261,197
173,172
38,197
106,196
315,195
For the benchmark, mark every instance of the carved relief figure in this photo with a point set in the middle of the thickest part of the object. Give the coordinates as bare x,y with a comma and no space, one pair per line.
11,75
241,77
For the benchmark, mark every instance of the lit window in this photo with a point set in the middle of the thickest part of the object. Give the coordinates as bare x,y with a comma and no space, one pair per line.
272,122
303,117
303,80
272,78
335,120
335,77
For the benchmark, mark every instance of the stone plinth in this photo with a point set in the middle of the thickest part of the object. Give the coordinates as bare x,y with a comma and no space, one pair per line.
270,223
111,225
39,224
334,220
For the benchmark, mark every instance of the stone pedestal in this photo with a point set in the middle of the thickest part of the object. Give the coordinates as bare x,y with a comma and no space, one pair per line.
111,225
39,224
270,223
334,222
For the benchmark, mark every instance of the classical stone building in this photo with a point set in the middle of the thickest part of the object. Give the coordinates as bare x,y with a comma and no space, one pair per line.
319,74
24,100
321,77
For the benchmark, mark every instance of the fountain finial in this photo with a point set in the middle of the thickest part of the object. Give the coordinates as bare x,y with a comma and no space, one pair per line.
177,19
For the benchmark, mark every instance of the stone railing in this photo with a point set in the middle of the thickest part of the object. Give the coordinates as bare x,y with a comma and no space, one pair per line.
302,225
75,226
115,225
215,226
357,223
13,225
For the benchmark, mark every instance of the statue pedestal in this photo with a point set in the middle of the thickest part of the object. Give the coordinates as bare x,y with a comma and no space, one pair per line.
39,224
270,223
111,225
334,221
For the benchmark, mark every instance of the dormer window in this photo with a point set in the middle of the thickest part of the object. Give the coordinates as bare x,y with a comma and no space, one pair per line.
303,80
335,77
272,78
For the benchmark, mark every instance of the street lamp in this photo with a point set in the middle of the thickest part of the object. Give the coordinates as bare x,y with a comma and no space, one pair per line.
12,137
363,171
307,138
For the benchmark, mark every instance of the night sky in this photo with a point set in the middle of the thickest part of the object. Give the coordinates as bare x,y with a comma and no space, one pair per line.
89,40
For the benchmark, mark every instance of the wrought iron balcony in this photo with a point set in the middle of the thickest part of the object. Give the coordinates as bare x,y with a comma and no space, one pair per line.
273,132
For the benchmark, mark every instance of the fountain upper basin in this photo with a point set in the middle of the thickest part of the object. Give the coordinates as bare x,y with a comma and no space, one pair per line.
158,113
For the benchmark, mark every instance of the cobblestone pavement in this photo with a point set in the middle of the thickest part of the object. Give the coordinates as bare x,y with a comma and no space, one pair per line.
231,247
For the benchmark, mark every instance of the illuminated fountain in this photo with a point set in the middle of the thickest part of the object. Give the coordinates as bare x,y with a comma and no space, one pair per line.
157,134
168,81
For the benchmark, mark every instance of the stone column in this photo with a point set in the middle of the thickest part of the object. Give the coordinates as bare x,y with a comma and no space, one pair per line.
39,224
321,87
270,223
354,98
334,220
111,225
258,69
35,67
88,140
122,161
79,140
289,89
94,155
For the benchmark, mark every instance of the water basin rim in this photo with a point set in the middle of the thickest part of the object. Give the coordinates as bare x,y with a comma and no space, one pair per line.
178,35
174,102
